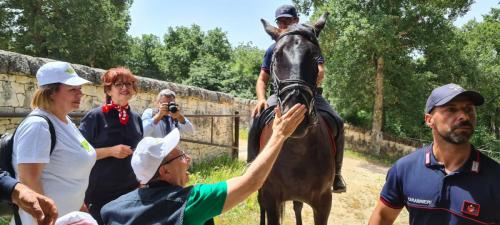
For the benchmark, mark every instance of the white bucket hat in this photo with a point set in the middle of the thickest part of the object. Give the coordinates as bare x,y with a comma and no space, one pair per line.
58,72
149,154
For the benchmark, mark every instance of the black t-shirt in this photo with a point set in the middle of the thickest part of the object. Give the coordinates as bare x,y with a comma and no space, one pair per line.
111,177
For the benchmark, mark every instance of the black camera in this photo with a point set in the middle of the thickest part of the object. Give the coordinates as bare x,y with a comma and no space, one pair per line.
172,107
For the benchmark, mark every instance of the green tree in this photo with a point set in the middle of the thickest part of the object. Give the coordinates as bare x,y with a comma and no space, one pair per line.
245,65
6,25
182,46
482,47
193,57
87,32
211,67
143,59
374,41
215,43
208,72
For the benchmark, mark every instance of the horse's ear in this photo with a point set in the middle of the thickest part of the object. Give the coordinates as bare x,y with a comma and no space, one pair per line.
270,29
320,24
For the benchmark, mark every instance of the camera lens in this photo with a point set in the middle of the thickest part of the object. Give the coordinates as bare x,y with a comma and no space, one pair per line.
172,107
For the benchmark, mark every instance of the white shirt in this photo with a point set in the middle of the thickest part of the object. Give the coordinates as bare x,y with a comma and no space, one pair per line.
160,129
65,176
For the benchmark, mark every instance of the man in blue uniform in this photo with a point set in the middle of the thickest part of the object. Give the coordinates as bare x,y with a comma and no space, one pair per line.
449,181
286,15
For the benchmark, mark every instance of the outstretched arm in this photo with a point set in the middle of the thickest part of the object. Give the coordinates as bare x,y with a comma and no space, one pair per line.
239,188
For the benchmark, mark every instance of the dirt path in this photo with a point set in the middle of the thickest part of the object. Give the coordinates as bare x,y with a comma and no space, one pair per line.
354,207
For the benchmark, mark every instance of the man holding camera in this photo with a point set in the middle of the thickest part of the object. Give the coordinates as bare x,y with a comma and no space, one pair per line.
159,122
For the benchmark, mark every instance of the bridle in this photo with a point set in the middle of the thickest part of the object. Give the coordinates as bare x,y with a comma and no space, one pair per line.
289,88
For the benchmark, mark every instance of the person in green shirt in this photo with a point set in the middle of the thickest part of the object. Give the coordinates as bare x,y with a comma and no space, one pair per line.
162,167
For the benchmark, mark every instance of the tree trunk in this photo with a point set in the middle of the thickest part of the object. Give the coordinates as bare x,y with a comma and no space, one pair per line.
493,123
35,13
378,106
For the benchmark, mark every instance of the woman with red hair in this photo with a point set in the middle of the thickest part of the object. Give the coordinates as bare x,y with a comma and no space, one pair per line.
114,130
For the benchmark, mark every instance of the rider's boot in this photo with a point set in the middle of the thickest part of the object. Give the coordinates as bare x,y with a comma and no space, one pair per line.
339,185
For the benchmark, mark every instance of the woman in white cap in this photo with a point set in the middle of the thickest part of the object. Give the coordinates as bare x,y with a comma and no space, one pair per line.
57,167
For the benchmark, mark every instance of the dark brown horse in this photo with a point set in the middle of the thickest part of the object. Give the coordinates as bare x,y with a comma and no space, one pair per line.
304,170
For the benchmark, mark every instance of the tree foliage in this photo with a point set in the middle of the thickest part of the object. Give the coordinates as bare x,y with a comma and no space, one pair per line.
481,49
211,67
409,35
245,66
87,32
191,56
181,47
421,50
143,58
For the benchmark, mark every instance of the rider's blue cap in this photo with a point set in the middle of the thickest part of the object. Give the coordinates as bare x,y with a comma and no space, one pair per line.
286,11
444,94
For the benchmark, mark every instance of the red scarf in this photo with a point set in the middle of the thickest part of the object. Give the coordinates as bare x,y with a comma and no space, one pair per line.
122,111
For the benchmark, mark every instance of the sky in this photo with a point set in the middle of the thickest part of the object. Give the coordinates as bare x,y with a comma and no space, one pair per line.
240,19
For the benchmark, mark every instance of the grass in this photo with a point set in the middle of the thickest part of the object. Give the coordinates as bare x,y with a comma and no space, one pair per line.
4,220
221,169
243,133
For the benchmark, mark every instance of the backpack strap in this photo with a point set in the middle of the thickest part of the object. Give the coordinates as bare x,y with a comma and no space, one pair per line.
51,129
17,218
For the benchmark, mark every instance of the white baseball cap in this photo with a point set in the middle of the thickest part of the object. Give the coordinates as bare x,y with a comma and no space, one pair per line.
58,72
150,152
76,218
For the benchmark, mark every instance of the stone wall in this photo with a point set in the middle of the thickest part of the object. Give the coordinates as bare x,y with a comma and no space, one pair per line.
18,83
359,140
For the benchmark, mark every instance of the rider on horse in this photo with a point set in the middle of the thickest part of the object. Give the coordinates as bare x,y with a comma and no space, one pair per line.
286,15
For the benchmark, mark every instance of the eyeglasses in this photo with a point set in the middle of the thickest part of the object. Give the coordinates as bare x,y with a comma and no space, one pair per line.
120,85
183,156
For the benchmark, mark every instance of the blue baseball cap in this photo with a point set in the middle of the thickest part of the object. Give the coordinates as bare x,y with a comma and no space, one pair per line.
286,11
448,92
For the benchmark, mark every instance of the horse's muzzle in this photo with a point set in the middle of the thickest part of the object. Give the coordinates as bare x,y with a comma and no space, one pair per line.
310,122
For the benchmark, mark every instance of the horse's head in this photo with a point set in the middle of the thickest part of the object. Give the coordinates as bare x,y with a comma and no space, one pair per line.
294,67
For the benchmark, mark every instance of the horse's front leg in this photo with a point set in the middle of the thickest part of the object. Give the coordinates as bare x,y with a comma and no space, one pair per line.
271,206
321,208
297,208
262,210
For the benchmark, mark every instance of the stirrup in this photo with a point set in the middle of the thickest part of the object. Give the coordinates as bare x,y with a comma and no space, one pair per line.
339,185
